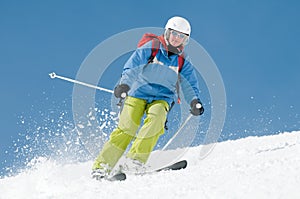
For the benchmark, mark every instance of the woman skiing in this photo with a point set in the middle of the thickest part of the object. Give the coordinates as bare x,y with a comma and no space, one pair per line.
150,84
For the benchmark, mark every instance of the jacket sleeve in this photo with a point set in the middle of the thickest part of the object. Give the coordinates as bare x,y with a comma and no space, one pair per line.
189,82
135,63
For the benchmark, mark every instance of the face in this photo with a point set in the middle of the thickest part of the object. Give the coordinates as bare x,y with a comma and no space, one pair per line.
177,38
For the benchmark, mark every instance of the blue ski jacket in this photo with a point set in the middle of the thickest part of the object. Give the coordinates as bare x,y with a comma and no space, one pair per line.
157,80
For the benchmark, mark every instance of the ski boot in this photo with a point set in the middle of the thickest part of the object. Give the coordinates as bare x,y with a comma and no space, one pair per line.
101,173
135,166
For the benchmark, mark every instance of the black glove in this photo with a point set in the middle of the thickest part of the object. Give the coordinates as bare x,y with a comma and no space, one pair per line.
121,90
196,107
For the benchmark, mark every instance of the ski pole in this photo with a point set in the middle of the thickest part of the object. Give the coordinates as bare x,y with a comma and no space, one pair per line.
53,75
180,128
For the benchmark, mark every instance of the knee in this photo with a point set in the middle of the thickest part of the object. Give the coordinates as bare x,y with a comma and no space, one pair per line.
157,114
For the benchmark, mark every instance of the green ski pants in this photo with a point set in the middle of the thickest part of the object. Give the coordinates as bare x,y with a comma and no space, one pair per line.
129,122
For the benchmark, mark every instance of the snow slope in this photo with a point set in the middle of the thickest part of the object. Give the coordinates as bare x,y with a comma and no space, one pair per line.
253,167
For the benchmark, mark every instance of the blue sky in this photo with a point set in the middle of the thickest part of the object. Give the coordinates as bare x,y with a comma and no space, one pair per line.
254,44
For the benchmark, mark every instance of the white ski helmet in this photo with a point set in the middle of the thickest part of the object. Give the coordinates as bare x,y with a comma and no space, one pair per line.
179,24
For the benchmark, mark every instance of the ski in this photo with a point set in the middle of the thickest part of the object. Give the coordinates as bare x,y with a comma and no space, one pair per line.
176,166
117,177
122,176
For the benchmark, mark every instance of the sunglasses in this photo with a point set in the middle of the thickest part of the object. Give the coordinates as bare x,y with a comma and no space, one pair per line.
178,34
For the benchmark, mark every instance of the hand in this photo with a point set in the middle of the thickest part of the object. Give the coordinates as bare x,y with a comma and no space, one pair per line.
121,90
196,107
